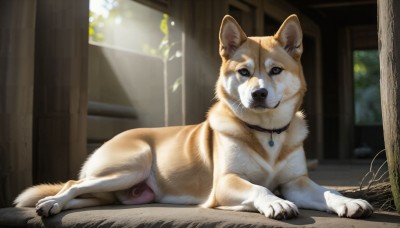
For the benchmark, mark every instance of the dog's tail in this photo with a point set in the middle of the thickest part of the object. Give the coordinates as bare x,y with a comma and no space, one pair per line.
32,195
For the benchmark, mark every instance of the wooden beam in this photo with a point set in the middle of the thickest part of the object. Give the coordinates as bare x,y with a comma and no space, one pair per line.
60,96
280,10
346,104
199,29
342,4
160,5
17,39
240,5
332,3
389,56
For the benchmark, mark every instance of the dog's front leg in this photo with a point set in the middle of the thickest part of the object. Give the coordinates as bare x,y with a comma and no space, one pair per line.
307,194
236,193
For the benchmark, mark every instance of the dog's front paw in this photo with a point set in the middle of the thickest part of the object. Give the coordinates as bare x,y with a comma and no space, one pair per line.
280,209
347,207
355,208
48,206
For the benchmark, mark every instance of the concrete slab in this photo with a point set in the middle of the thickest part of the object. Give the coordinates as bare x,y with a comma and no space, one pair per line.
156,215
343,174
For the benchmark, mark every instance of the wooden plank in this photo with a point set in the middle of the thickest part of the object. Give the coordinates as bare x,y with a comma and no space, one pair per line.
389,56
279,10
60,100
111,110
240,5
259,19
102,128
346,104
160,5
364,37
199,62
319,139
340,3
17,37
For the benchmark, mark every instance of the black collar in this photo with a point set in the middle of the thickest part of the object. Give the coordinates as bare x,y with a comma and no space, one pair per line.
271,131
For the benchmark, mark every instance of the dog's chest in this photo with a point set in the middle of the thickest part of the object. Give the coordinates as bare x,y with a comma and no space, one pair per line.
272,144
261,170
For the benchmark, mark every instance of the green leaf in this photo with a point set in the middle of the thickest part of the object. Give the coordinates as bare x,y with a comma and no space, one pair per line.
164,25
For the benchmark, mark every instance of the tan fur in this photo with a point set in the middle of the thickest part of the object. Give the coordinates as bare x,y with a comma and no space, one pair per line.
240,131
236,185
68,185
221,162
32,195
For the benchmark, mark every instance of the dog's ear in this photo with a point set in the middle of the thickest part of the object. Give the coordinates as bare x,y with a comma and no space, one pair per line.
290,36
231,36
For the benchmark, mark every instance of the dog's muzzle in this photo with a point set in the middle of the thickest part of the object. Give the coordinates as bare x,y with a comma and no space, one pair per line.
259,99
259,96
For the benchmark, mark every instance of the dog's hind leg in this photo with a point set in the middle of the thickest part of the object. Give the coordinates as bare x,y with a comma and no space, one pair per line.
90,200
54,204
117,165
67,185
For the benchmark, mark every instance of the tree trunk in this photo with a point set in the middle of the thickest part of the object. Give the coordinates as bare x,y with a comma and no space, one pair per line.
389,55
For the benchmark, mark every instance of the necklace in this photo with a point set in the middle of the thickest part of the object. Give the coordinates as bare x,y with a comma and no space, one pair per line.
271,142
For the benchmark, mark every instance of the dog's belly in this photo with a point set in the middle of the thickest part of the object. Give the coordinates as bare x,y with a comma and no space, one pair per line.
181,186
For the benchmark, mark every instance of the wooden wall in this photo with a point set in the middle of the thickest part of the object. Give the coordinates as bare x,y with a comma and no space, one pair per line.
43,86
199,30
17,37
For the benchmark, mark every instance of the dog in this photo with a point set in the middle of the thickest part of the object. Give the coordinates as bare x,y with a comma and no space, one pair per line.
249,146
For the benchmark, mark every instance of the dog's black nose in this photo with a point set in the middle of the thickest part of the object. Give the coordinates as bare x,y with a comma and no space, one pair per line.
259,94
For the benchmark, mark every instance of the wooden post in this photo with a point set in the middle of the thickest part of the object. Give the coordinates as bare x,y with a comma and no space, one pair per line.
199,42
60,101
17,42
389,56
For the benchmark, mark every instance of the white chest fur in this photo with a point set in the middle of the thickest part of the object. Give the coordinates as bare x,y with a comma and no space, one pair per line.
273,149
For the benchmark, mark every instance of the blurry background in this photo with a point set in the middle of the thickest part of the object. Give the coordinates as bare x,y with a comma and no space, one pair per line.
133,54
73,73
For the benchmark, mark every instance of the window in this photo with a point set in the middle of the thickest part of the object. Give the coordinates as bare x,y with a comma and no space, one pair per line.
126,24
128,83
367,102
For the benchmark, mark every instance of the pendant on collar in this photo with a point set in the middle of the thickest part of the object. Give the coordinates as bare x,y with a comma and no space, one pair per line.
271,142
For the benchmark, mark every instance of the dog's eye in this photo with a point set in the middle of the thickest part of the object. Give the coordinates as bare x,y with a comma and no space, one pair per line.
244,72
275,71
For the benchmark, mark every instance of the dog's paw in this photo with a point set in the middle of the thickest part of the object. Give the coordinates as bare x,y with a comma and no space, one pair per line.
48,206
348,207
280,209
355,208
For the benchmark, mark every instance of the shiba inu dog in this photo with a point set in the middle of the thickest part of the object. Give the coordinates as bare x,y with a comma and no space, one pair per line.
250,145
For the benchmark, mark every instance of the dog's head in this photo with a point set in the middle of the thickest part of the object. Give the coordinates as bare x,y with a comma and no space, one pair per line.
261,74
